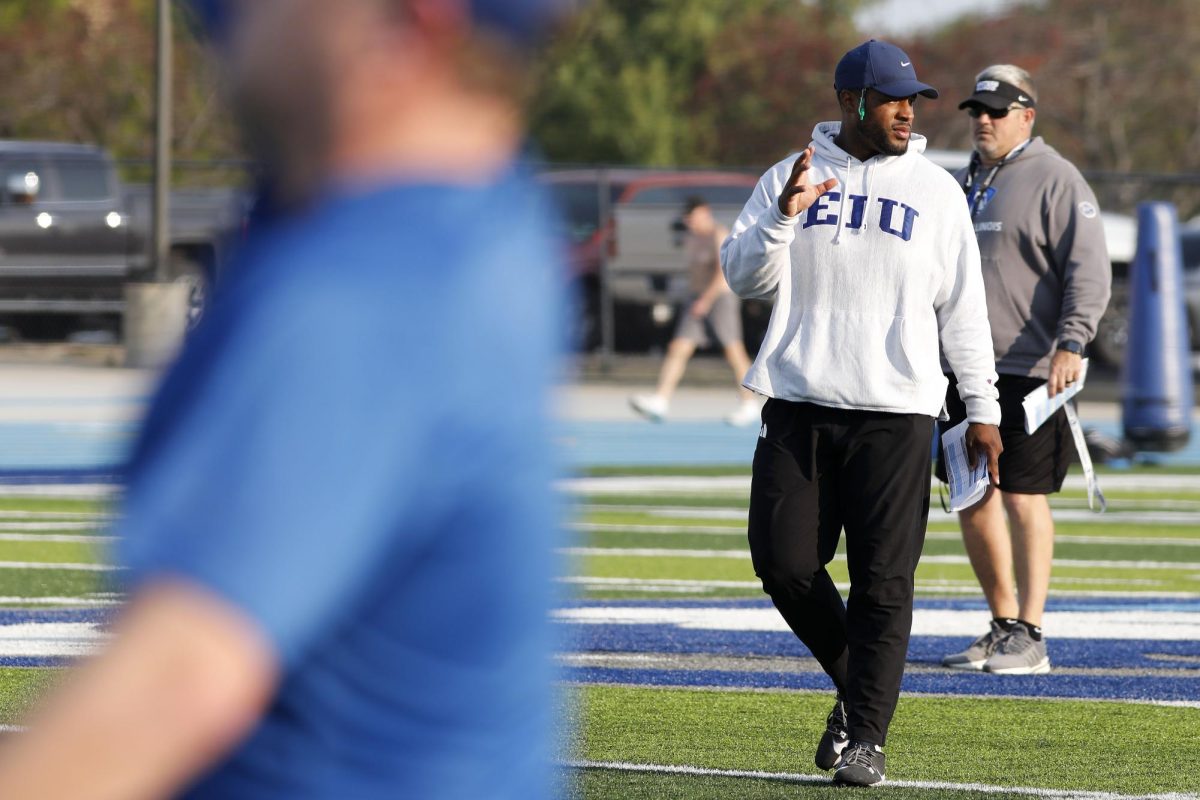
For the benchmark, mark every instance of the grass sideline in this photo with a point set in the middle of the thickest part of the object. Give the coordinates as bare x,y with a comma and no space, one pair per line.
1075,746
20,687
598,784
1081,746
1065,745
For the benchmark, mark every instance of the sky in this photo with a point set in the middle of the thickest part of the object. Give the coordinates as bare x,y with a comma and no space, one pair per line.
898,16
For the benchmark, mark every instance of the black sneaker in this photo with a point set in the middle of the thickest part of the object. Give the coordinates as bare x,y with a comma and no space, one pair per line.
835,738
862,765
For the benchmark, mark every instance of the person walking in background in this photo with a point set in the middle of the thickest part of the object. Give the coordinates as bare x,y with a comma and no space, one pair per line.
338,588
711,312
1047,276
867,251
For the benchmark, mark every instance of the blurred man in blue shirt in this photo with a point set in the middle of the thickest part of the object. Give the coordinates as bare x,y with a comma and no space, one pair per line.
338,522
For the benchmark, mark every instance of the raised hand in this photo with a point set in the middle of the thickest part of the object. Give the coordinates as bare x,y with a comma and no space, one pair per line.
798,194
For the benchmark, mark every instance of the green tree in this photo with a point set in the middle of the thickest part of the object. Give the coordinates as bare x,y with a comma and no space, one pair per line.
83,71
632,81
769,80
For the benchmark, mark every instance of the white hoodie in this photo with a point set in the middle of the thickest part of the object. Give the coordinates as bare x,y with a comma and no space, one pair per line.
866,283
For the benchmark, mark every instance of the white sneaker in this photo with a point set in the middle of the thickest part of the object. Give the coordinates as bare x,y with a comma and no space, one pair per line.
650,406
748,413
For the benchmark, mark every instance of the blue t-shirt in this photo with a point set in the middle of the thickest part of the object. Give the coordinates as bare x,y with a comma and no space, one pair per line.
354,449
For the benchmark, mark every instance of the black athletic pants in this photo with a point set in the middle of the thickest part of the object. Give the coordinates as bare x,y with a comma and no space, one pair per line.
818,470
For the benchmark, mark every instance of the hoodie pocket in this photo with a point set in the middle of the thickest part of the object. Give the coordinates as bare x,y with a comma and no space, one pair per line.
849,358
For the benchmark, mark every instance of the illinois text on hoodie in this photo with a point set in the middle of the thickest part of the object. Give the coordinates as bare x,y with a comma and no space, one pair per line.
866,283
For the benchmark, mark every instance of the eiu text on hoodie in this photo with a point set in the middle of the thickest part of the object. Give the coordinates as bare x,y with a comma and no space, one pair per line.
866,283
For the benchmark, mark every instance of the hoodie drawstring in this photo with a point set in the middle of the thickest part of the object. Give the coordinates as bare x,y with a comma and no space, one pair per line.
868,190
841,217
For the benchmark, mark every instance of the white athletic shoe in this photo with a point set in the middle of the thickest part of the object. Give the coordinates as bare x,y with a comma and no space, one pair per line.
650,406
748,413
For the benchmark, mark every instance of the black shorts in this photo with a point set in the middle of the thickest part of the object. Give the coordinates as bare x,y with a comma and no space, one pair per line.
1034,464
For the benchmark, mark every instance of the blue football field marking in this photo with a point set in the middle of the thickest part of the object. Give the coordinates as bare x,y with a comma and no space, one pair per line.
1146,689
1161,670
1107,654
21,616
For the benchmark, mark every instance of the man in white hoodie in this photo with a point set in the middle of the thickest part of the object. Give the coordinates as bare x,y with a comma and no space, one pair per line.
866,249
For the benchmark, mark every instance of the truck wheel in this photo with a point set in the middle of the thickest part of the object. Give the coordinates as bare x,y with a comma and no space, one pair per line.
583,326
187,269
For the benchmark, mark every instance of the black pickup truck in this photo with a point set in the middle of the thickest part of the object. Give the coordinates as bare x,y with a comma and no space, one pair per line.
72,234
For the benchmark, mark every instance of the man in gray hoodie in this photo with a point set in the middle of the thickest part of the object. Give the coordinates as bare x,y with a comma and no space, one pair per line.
1047,276
866,248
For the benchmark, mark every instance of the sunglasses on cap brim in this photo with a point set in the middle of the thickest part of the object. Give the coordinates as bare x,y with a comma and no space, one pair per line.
975,112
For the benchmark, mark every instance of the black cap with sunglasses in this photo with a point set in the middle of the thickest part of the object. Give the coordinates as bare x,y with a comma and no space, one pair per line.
996,97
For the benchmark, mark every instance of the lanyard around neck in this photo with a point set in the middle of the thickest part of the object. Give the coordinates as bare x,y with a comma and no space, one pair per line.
976,193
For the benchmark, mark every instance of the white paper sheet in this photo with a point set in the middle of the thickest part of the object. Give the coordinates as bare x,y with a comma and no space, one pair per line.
967,483
1039,405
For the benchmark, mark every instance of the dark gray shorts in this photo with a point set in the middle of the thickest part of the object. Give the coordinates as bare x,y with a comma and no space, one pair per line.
723,322
1030,464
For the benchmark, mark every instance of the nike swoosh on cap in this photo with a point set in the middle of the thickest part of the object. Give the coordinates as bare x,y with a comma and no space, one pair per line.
905,63
1022,98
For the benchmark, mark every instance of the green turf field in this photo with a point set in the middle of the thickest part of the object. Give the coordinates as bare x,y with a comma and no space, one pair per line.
758,744
45,532
680,544
698,537
1112,747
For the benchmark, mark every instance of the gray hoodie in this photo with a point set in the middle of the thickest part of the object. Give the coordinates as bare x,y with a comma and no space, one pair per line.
1045,262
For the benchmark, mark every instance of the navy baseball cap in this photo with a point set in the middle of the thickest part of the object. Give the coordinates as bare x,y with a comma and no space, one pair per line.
522,21
880,66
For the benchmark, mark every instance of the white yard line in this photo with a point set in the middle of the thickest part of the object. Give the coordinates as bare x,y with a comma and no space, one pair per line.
601,527
658,584
50,639
1112,517
61,601
63,538
740,530
924,587
62,491
665,484
54,565
744,555
1129,624
66,515
824,780
655,552
48,526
